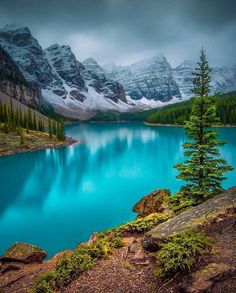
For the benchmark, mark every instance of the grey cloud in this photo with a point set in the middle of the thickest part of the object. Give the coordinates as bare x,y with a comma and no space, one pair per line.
126,30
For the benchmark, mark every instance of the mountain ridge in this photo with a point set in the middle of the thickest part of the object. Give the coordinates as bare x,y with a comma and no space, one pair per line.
80,89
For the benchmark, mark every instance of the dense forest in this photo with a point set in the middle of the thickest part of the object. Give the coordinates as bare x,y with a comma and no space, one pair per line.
15,120
176,113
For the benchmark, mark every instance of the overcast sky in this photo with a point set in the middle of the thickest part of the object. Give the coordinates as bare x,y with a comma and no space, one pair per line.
124,31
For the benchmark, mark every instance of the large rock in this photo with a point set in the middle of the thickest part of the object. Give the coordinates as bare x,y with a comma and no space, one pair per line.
23,252
155,202
192,218
202,280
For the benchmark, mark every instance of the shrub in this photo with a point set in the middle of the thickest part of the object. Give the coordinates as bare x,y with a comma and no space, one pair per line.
70,266
45,283
181,252
145,224
79,260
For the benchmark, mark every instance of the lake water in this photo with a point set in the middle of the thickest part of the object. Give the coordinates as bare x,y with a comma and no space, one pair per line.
57,198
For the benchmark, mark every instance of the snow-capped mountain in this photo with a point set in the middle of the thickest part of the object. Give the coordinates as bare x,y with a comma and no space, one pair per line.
223,79
71,88
80,89
150,78
13,83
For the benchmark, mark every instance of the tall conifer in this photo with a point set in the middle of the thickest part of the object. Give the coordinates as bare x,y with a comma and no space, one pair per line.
204,168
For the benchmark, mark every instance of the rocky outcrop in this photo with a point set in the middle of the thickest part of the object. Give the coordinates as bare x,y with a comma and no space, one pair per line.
155,202
191,218
13,83
223,79
201,281
23,252
97,78
151,78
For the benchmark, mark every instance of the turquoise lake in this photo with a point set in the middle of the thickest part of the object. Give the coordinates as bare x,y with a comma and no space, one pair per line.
57,198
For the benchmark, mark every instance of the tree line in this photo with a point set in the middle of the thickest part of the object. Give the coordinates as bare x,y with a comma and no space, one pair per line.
179,113
15,120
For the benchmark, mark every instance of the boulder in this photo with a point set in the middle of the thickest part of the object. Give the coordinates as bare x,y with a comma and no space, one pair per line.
24,252
203,280
155,202
192,218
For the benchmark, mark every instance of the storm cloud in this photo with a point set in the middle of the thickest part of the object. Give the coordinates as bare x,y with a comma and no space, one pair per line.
124,31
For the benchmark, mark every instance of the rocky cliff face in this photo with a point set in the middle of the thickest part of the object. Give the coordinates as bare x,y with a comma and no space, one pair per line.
13,83
27,54
97,78
69,86
151,78
223,78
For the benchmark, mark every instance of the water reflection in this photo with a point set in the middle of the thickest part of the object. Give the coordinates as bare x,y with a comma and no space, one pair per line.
56,198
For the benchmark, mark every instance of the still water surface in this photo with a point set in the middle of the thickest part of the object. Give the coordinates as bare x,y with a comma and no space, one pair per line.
57,198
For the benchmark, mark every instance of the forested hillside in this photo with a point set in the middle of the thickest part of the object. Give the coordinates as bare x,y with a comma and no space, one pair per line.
176,113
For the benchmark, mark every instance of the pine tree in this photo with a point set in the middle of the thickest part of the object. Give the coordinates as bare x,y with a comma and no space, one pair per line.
50,128
22,139
204,168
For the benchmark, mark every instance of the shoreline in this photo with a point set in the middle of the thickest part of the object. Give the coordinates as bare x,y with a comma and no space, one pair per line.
69,141
181,125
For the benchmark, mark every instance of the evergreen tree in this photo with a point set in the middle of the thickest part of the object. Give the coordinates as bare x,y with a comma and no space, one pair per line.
35,122
50,128
22,139
203,169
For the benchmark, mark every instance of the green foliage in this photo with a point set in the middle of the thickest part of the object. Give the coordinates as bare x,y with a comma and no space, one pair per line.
182,200
175,114
203,169
71,266
181,252
13,119
45,283
79,260
145,224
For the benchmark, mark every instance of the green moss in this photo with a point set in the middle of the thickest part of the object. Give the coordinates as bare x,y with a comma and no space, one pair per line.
45,283
71,266
145,224
76,262
181,252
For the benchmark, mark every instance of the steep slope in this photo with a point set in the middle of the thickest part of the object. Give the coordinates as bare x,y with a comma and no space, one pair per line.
13,83
81,92
150,78
65,83
27,54
223,78
96,77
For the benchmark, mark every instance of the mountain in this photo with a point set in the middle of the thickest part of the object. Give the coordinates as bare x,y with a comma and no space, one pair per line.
150,78
65,83
13,83
80,89
223,78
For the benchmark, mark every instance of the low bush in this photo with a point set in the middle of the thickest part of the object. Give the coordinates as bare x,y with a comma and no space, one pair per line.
45,283
145,224
70,266
181,252
76,262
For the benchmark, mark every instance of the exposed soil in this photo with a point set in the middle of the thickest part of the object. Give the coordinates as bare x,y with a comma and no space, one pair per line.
132,270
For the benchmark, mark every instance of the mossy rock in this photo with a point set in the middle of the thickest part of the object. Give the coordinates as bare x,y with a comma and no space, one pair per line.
24,252
155,202
192,218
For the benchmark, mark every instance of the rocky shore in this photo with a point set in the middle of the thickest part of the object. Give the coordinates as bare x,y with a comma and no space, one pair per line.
39,146
132,267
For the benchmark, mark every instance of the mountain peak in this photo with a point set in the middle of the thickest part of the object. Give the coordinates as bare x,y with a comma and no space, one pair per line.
16,28
90,61
186,64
